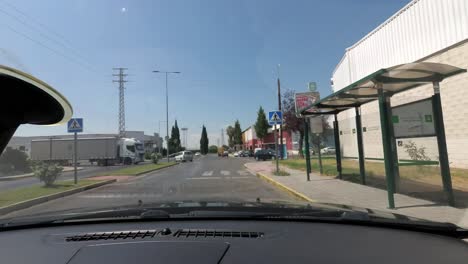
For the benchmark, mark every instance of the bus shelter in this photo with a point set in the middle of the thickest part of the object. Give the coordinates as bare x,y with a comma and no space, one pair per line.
382,85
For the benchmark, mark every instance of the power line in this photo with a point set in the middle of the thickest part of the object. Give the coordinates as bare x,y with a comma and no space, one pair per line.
42,34
121,80
49,48
38,24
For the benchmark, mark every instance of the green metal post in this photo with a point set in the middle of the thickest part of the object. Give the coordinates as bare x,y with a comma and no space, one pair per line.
306,143
362,166
337,147
393,152
319,153
442,144
385,119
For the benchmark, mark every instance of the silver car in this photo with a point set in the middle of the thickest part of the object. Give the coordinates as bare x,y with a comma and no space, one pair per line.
184,156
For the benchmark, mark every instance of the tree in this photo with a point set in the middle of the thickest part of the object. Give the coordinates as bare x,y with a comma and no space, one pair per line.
230,133
177,137
261,126
213,149
174,141
291,121
204,141
237,133
14,160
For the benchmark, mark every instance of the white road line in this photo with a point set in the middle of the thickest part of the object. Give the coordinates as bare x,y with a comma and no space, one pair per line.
204,178
225,173
218,178
242,172
207,173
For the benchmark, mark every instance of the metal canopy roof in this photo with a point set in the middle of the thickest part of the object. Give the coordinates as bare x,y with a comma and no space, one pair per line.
393,80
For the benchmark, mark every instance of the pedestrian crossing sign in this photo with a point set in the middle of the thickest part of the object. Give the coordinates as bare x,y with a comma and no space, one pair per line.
75,125
275,118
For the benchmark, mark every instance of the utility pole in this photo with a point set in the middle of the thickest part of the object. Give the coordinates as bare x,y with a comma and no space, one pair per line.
222,137
121,80
184,136
279,108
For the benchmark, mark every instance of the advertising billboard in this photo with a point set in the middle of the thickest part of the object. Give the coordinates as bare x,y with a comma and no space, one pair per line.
413,119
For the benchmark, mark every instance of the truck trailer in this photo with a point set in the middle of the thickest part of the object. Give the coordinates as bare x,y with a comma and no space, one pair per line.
103,150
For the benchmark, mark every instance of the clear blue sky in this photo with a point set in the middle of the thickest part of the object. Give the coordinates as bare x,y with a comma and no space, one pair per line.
227,52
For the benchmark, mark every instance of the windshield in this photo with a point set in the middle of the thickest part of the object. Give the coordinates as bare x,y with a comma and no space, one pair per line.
131,148
139,147
279,103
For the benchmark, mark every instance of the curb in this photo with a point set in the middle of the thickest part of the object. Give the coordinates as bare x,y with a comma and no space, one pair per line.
13,178
28,175
145,172
282,186
28,203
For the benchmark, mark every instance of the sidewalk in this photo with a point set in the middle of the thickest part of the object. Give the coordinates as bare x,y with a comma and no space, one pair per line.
330,190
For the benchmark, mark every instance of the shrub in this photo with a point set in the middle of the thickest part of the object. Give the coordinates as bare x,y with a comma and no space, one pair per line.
213,149
155,157
47,173
148,155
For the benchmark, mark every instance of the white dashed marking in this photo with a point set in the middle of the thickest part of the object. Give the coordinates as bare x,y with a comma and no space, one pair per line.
207,173
225,173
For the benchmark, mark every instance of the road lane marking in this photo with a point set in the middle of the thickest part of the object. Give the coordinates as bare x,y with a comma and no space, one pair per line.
225,173
242,172
204,178
219,178
207,173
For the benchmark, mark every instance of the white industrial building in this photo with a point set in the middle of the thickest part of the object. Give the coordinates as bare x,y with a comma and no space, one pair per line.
423,30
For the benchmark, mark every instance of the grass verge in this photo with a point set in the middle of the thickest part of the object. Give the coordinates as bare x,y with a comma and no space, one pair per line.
423,173
27,193
137,169
281,173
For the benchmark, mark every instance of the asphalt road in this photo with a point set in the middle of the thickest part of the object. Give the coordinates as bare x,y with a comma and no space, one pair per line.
208,178
69,175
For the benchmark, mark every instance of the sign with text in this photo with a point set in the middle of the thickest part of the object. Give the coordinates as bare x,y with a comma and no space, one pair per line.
305,100
316,125
413,119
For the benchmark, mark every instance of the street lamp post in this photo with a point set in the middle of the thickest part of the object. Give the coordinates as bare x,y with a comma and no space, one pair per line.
159,135
167,112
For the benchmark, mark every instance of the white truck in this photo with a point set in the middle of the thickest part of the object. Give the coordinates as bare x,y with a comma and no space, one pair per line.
103,150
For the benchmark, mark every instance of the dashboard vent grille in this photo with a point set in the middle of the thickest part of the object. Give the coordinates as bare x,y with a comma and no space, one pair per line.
113,235
216,233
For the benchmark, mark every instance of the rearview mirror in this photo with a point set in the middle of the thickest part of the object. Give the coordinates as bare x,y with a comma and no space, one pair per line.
28,100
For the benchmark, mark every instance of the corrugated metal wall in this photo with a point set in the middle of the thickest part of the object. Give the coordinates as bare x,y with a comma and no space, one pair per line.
420,29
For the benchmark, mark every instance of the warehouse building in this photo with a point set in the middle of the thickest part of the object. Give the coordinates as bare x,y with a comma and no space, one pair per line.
422,31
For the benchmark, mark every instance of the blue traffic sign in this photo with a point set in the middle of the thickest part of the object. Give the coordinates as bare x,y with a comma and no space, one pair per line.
275,118
75,125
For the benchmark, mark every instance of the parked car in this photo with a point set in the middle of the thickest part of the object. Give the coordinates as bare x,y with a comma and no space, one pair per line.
273,153
225,153
328,150
197,154
245,153
236,154
184,156
263,154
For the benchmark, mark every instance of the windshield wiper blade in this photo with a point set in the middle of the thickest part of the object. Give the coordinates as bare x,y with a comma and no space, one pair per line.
78,217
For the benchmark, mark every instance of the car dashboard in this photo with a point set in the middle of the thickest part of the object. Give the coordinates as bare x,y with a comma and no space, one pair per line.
206,241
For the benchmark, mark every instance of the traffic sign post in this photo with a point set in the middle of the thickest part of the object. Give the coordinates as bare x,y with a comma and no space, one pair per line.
75,125
275,118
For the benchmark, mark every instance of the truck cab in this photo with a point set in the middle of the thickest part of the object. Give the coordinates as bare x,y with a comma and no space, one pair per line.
131,151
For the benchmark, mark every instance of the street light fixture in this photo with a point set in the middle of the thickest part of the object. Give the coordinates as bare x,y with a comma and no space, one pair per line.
167,111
